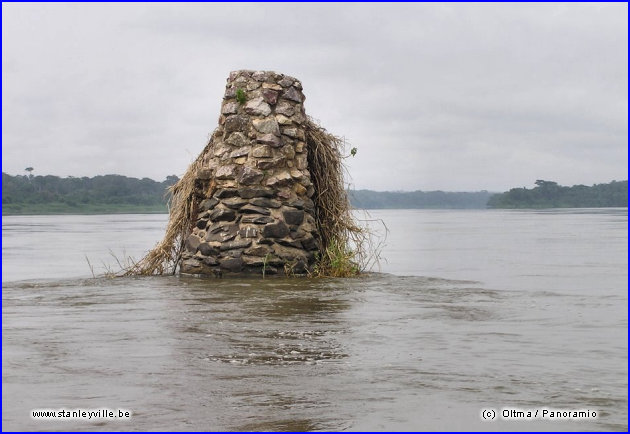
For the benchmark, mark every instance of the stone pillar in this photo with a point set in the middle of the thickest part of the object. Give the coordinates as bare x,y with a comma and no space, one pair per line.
254,190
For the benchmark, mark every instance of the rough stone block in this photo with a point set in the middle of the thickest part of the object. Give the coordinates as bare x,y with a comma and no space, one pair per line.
296,203
279,179
258,250
300,190
283,120
293,94
234,253
270,96
252,86
293,216
301,162
230,92
234,202
291,132
257,219
222,215
266,126
204,173
207,250
257,107
296,244
217,227
248,232
221,150
271,86
309,243
240,152
191,266
284,193
228,171
262,151
297,174
234,265
309,206
285,108
237,244
289,253
271,163
275,230
255,261
250,176
235,123
201,224
265,202
250,192
220,237
269,139
192,243
288,151
261,76
252,209
229,108
207,204
237,139
286,82
224,193
210,261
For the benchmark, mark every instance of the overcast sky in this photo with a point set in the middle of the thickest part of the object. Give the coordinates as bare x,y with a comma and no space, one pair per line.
456,97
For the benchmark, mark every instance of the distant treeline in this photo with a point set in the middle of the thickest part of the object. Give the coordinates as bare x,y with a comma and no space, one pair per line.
548,194
28,194
101,194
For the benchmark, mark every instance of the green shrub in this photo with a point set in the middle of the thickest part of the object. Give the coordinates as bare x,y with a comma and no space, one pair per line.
240,96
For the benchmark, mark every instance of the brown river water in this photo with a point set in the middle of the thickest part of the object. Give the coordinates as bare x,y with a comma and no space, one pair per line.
470,311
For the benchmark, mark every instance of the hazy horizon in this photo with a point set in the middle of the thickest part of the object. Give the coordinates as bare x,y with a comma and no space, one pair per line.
351,187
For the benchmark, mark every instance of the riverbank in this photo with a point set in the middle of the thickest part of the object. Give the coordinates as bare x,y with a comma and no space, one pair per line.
58,208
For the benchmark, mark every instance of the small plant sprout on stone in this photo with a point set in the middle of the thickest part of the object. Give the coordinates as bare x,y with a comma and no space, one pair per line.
240,96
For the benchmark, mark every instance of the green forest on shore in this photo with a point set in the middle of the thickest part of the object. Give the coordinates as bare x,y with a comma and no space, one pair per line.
548,194
109,194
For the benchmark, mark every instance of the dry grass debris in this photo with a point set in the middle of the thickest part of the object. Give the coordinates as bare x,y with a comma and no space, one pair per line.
345,247
344,244
165,256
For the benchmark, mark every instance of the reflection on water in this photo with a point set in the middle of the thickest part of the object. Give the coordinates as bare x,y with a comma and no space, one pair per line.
288,354
379,352
300,308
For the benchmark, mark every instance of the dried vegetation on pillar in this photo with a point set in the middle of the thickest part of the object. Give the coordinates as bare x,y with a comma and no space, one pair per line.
265,196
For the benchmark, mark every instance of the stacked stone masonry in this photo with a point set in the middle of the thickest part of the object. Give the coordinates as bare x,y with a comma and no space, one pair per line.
254,192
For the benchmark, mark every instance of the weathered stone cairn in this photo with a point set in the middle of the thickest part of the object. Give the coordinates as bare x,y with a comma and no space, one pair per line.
255,213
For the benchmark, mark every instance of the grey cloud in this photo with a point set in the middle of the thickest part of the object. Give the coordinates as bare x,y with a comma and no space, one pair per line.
446,96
